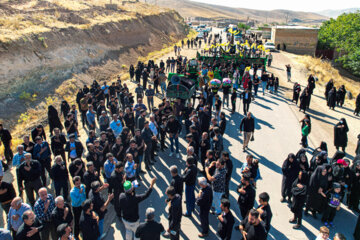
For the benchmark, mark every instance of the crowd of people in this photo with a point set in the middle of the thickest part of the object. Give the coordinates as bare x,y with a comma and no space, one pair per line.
334,98
125,135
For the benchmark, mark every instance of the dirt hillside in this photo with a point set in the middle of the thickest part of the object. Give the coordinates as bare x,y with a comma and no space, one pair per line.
34,65
195,9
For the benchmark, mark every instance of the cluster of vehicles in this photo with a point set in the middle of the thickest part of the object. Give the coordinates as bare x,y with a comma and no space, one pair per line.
201,29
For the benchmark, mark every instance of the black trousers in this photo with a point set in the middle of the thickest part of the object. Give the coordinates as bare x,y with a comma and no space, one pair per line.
8,153
246,107
329,214
153,149
298,215
45,165
244,211
48,231
62,184
204,220
233,104
30,188
162,139
227,183
83,118
147,154
77,215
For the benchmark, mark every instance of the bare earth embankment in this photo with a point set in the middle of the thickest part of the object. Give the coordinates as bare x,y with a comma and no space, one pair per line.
48,48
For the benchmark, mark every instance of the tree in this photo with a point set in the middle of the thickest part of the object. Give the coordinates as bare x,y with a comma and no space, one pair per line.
343,34
243,26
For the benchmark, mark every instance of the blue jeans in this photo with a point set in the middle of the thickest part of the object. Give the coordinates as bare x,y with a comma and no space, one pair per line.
101,227
163,88
190,198
140,157
217,201
289,76
263,84
176,143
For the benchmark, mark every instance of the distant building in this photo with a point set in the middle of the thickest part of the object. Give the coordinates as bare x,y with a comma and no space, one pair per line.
295,39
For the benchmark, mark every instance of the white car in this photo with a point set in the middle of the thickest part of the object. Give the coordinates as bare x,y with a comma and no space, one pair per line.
269,46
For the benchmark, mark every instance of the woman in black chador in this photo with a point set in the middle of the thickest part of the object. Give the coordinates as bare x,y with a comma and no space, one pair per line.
316,198
340,134
304,98
355,187
331,100
54,120
299,191
290,170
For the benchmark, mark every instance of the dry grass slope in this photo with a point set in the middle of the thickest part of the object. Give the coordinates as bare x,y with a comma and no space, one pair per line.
22,18
324,70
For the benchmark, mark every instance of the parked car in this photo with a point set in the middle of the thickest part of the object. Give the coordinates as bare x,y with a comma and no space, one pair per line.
269,46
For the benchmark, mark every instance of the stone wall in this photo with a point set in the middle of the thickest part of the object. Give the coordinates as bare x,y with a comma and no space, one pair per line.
299,41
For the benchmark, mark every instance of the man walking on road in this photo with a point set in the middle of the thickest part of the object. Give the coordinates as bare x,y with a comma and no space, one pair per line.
129,207
247,127
288,72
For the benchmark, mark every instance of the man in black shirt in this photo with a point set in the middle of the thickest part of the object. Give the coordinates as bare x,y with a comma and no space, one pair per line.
60,176
7,194
150,230
61,213
173,128
117,180
189,177
247,127
129,206
74,148
147,135
226,221
77,168
264,210
70,124
29,171
246,96
229,168
204,201
177,182
247,195
91,175
31,227
252,228
100,206
5,139
175,210
129,120
58,142
89,222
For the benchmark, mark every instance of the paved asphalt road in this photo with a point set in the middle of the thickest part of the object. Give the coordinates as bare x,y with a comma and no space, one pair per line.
277,134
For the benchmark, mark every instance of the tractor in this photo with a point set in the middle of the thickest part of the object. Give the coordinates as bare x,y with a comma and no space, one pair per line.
183,86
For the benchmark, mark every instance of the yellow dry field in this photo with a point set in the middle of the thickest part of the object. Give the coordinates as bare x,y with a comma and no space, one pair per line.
21,19
324,70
